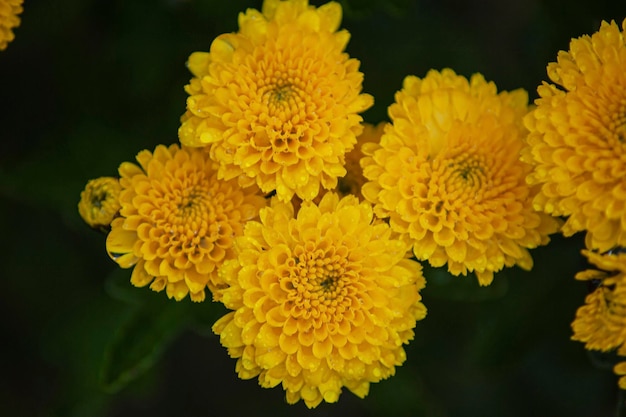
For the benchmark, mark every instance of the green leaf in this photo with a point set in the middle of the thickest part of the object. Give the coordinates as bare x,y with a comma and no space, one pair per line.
140,341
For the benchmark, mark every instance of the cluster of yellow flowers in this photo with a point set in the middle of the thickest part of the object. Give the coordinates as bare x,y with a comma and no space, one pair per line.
308,224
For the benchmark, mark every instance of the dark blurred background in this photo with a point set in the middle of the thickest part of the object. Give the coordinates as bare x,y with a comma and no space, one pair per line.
86,84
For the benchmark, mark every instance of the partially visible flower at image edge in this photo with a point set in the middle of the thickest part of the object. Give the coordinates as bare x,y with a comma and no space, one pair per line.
278,102
447,174
601,323
577,139
320,301
9,20
99,202
178,221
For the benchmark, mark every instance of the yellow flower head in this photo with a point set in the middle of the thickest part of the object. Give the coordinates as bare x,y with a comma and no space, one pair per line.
9,19
178,221
601,322
277,103
578,138
447,174
321,301
99,201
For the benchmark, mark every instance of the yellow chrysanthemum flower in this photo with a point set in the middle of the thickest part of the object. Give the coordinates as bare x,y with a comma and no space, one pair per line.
9,20
601,323
99,201
447,174
178,221
277,103
321,301
578,138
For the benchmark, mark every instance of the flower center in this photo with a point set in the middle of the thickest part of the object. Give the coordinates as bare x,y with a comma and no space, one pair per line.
461,178
285,112
328,284
321,284
281,93
191,207
470,171
284,106
99,198
280,96
187,222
